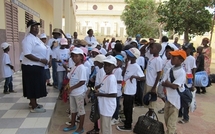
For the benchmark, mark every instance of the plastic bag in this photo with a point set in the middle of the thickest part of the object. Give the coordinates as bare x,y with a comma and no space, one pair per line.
193,105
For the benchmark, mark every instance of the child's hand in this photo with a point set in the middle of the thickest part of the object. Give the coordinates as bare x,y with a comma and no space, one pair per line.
153,89
131,78
12,67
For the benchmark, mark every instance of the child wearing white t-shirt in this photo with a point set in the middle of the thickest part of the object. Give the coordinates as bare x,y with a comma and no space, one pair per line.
166,66
131,73
172,81
153,72
118,74
98,62
77,82
7,68
189,66
107,94
62,57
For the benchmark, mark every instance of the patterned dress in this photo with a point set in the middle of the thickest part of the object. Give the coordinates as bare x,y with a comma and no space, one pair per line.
207,53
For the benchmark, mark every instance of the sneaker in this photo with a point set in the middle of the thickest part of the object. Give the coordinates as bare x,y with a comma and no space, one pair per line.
38,105
49,84
114,121
122,128
38,110
183,121
93,131
68,123
12,91
6,92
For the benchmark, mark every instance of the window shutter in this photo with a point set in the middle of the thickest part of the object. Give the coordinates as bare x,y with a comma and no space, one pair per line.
9,23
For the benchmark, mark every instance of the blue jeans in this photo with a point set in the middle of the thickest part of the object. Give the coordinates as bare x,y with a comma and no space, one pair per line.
8,84
54,72
61,75
116,113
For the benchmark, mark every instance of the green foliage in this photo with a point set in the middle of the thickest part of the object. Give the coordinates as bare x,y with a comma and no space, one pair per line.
185,16
140,17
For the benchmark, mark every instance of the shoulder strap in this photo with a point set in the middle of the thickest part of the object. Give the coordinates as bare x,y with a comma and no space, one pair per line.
172,78
164,51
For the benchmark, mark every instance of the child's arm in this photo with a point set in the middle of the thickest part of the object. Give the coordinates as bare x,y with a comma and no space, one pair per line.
79,84
193,72
119,82
114,95
169,84
156,82
137,78
10,66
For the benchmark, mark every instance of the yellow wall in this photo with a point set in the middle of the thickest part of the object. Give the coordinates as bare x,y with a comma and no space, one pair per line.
2,14
42,7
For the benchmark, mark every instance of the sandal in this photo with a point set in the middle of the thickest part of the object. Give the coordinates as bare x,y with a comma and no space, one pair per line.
161,111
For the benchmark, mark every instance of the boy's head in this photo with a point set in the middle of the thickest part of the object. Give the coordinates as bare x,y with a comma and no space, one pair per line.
119,59
134,43
98,60
117,47
168,49
178,57
188,48
155,48
56,33
199,49
5,46
43,38
132,53
77,55
109,64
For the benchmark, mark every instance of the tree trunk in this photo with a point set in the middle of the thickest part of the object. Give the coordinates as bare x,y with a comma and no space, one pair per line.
186,36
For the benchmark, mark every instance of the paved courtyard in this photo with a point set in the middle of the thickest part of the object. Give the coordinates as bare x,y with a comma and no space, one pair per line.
15,117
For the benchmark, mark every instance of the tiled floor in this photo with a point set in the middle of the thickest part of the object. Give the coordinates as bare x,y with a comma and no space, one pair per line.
15,117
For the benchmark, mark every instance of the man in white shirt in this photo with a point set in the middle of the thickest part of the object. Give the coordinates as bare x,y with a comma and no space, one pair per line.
90,37
53,43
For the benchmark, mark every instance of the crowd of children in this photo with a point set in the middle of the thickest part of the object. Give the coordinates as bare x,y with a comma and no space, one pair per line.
128,72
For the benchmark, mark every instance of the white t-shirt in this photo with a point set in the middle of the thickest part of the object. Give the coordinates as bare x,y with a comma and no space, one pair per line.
54,49
6,70
21,56
189,64
154,65
106,45
132,70
107,105
103,51
141,61
71,63
49,53
33,45
172,94
62,54
90,40
99,75
88,66
77,74
118,74
166,66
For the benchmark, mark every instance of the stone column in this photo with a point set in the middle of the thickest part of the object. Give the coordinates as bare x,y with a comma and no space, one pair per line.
58,13
68,16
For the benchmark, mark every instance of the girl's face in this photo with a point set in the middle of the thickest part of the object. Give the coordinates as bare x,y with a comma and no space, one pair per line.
77,58
94,54
204,42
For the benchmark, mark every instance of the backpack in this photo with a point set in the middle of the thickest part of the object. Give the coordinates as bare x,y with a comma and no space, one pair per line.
186,96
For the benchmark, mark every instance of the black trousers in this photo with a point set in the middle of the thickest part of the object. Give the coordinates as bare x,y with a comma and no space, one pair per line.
128,109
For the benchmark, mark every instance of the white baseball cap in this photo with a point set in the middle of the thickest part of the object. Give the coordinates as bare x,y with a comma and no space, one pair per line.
63,41
110,59
100,58
133,52
68,35
77,50
5,45
43,35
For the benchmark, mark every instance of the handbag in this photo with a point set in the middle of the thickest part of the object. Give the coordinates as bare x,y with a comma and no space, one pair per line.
147,125
95,114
